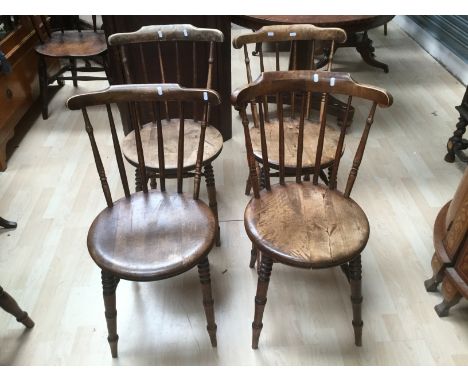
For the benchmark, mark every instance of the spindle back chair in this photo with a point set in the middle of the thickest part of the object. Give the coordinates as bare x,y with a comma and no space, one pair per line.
306,224
169,43
69,45
153,234
319,40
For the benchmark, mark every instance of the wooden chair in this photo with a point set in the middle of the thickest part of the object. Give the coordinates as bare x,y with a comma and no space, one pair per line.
163,38
9,304
305,224
68,45
153,234
319,40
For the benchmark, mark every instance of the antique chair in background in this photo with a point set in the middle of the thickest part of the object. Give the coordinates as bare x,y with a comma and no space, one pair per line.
319,40
450,260
166,42
154,234
305,224
69,45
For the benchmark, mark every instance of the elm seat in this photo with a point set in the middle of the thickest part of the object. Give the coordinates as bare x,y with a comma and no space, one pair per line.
212,148
315,227
74,44
152,236
291,132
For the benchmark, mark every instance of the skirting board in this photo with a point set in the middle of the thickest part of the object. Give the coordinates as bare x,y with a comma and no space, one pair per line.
444,56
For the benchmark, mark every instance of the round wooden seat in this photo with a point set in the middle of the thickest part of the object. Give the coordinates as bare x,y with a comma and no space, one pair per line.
213,144
306,225
152,236
74,44
291,132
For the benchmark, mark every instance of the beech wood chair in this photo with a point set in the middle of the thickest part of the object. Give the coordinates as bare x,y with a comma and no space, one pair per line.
305,224
160,38
321,45
151,234
68,45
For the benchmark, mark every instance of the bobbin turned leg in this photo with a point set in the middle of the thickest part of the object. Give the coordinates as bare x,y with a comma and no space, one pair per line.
205,280
355,271
211,188
109,285
260,298
9,304
138,182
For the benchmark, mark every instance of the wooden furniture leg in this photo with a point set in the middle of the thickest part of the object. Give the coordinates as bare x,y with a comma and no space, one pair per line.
109,285
211,188
73,71
451,297
355,271
438,275
260,298
9,304
205,280
456,144
6,223
43,84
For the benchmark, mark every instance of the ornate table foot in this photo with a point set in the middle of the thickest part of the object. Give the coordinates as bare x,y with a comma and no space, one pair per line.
456,143
364,46
7,224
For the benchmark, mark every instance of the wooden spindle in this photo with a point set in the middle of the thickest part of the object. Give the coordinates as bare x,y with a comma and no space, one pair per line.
97,159
139,146
177,57
330,58
194,77
262,69
46,26
201,145
266,166
279,97
180,149
163,76
360,152
277,56
311,67
144,70
339,148
162,168
125,64
78,24
253,104
323,122
253,176
94,23
209,82
118,152
293,56
300,138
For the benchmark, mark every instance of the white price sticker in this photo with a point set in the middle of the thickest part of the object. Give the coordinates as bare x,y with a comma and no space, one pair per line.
160,91
315,77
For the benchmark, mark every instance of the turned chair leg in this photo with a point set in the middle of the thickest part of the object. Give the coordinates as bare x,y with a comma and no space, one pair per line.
109,285
248,186
73,71
451,297
43,84
205,280
260,298
211,188
355,272
9,304
153,181
138,182
7,224
253,256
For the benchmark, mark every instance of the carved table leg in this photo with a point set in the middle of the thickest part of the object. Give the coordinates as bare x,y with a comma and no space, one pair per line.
366,50
438,269
9,304
355,271
260,298
7,224
43,84
457,143
109,285
451,297
211,188
205,280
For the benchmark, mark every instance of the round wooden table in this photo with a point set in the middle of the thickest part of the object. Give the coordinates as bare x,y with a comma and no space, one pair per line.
356,28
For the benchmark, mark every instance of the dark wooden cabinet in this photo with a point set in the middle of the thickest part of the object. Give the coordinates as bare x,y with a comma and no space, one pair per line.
221,115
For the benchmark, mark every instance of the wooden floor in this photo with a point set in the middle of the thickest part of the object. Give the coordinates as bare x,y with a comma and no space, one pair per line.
52,190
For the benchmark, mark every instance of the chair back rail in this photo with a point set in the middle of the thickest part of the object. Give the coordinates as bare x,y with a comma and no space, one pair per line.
302,83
